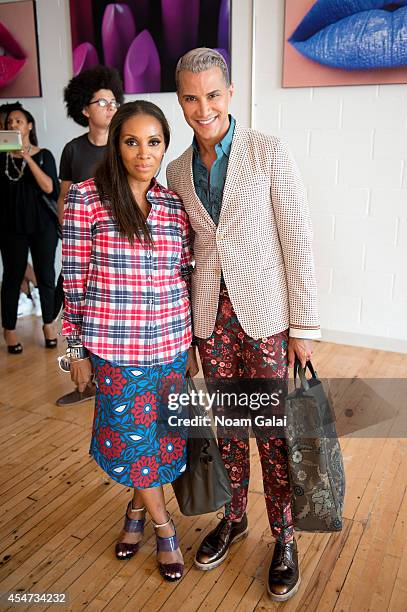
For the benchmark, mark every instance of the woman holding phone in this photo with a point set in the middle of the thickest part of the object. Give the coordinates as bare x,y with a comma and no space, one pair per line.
27,224
126,264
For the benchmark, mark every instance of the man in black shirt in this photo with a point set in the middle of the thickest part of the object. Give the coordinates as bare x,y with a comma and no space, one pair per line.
91,98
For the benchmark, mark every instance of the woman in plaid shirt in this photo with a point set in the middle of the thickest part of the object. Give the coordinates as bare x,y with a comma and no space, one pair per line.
126,266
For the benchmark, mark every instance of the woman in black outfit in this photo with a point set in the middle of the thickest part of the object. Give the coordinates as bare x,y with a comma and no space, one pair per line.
26,223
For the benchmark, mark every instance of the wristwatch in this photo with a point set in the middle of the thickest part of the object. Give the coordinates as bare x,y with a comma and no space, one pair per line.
77,352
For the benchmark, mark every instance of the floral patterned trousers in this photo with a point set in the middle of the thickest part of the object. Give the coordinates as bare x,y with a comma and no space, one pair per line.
230,353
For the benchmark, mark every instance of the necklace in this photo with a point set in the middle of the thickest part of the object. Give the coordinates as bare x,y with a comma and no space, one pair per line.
20,171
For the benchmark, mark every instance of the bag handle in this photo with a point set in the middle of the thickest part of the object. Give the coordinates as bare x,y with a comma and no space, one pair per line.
190,384
206,442
300,371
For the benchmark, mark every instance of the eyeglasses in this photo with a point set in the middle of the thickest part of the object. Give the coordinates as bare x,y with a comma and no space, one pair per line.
102,102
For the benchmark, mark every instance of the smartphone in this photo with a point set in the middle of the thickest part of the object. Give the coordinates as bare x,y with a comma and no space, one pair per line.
10,140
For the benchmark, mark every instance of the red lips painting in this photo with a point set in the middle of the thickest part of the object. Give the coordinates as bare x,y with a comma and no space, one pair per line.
19,69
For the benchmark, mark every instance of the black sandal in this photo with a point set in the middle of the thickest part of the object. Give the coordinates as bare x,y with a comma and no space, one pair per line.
15,349
169,544
50,343
125,550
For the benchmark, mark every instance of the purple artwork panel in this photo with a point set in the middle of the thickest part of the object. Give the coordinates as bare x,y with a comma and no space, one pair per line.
144,39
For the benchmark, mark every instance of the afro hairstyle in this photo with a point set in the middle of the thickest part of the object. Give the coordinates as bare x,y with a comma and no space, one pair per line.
80,90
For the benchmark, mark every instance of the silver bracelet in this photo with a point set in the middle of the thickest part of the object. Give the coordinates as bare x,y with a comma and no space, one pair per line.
65,363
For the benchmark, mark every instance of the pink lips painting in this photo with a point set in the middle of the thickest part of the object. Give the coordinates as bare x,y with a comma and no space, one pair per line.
19,69
143,39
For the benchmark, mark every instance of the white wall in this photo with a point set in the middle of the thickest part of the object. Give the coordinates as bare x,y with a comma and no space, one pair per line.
351,145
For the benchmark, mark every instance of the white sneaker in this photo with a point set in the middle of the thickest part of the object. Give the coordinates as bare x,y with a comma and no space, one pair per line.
25,306
35,295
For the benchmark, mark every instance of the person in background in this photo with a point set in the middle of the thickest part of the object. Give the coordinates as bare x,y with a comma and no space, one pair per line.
26,223
126,265
253,288
5,109
29,300
92,98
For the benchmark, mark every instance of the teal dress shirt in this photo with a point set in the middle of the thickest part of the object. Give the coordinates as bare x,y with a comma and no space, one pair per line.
209,186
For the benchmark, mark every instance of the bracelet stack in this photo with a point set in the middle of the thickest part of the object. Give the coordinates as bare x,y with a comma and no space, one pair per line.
77,352
74,352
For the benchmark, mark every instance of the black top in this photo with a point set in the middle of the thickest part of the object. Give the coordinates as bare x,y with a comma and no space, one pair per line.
80,159
22,209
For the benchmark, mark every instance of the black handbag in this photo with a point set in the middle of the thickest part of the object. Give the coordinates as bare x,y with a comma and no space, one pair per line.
204,486
50,204
315,462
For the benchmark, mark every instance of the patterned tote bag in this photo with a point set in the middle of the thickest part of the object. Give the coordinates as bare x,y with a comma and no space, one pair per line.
314,456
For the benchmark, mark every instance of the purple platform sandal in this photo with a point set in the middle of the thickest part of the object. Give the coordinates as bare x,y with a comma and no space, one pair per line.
124,550
168,544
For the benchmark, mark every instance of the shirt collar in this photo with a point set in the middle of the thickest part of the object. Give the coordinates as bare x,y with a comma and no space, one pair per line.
224,145
154,184
154,188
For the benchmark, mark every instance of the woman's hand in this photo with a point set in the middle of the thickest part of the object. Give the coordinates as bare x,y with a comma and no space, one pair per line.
24,154
81,373
300,348
192,363
43,180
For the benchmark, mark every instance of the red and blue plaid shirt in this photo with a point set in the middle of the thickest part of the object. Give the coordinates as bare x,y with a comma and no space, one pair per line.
127,303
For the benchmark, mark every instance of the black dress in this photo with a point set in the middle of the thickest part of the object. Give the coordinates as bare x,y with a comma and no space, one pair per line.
26,223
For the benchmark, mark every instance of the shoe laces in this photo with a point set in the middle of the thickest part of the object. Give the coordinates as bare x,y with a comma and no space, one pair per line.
282,555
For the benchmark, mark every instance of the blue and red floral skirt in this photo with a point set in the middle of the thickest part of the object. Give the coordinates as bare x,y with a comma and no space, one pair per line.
131,440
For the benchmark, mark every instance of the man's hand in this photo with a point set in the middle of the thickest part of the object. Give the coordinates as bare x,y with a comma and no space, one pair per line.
192,363
300,348
81,373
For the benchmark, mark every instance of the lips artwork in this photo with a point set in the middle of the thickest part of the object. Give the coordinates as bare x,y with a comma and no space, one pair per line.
19,71
13,59
143,39
336,42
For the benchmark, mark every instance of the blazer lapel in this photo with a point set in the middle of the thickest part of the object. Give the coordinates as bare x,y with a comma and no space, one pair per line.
195,201
238,155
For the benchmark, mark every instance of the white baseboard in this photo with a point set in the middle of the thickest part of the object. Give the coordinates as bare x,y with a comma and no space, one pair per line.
364,340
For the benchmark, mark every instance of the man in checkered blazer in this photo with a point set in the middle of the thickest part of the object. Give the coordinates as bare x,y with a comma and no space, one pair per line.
253,287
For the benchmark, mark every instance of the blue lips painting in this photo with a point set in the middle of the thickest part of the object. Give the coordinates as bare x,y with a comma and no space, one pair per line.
345,42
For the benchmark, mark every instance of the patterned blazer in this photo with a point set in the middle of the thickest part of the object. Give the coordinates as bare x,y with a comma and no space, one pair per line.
262,242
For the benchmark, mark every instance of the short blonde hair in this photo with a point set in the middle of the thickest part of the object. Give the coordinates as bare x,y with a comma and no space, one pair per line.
199,60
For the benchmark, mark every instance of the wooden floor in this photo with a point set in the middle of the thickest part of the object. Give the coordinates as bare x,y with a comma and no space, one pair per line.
60,515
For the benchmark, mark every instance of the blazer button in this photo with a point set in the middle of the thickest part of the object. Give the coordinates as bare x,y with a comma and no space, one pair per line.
221,236
217,270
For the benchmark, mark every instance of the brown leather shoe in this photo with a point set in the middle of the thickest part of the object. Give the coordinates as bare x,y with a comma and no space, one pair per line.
77,397
215,546
284,574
